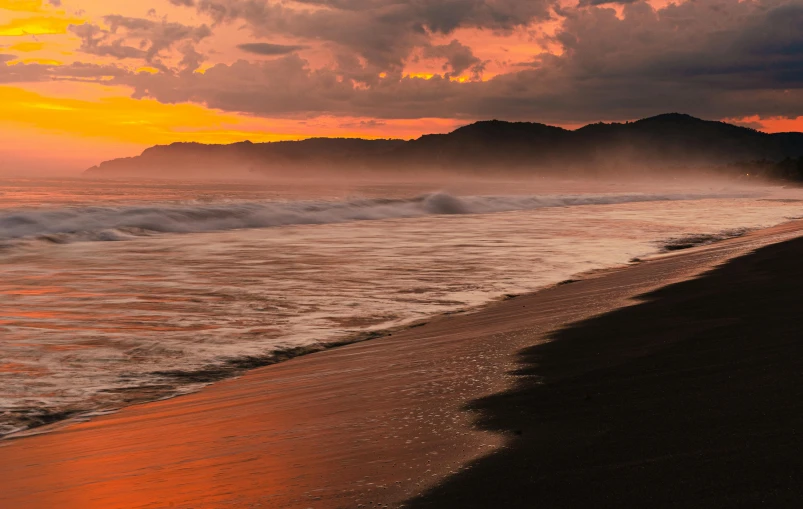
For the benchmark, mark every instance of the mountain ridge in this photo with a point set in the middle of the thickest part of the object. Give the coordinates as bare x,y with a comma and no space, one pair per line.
670,140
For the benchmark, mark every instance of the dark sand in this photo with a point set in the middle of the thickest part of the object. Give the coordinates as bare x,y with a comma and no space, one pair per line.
691,398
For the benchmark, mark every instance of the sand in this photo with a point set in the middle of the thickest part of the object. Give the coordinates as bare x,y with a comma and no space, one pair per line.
693,398
579,395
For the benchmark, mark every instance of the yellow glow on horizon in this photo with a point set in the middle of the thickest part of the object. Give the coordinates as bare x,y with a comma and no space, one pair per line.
130,120
102,125
148,69
41,61
82,124
27,47
421,75
49,106
37,25
429,76
21,5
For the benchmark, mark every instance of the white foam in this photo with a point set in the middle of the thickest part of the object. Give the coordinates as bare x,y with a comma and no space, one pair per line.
91,325
77,224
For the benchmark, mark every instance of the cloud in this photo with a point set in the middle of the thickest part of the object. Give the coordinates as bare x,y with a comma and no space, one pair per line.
267,49
713,58
363,124
153,39
585,3
37,72
459,58
93,41
4,57
22,73
383,33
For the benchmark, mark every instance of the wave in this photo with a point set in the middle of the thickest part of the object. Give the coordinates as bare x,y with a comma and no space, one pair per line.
74,224
700,239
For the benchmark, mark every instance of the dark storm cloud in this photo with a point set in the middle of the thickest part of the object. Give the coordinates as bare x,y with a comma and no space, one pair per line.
442,16
711,58
586,3
714,58
383,32
267,49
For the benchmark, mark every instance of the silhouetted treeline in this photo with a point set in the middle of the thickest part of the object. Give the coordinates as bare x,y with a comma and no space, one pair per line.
665,144
790,169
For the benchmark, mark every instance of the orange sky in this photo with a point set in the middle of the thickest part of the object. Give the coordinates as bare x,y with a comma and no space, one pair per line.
81,124
68,124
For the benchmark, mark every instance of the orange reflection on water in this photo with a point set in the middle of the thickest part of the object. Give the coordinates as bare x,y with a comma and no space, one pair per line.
174,461
16,367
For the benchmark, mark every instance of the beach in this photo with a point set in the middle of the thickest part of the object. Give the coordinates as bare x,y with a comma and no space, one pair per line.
386,254
594,392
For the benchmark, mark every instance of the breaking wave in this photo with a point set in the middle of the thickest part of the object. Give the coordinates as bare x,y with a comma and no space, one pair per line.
76,224
700,239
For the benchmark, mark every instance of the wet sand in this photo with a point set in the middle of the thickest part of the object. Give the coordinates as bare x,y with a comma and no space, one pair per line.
665,402
693,398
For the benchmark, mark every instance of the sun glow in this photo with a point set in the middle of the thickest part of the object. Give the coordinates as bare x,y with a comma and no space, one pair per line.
40,61
125,119
21,5
27,47
37,25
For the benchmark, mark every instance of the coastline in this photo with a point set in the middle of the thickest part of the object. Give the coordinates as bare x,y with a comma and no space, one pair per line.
353,425
232,368
691,398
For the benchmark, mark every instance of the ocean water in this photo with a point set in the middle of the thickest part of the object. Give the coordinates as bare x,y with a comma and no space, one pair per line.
119,292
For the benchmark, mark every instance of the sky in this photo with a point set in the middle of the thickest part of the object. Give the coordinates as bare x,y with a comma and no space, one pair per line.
82,81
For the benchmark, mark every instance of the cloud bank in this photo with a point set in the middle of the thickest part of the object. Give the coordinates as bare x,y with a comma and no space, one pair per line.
711,58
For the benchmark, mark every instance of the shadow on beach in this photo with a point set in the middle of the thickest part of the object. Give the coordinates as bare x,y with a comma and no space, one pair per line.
691,398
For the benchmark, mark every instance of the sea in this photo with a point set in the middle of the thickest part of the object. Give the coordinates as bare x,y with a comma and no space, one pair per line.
116,292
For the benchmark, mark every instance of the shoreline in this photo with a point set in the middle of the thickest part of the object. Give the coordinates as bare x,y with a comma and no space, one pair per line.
237,367
689,398
234,368
328,429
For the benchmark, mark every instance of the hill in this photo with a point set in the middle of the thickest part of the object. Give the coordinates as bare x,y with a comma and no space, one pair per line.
665,142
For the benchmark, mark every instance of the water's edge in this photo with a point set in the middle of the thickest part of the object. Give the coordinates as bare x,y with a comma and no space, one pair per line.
195,380
237,367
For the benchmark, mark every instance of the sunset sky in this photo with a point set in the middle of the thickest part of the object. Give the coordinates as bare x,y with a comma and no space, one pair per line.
86,80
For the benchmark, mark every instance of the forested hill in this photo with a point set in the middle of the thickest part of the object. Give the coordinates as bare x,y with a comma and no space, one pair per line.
660,143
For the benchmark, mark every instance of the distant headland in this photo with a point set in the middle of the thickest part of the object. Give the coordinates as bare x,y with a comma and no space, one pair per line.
663,143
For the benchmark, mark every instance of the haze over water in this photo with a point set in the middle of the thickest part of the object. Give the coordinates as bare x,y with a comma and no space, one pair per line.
118,292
